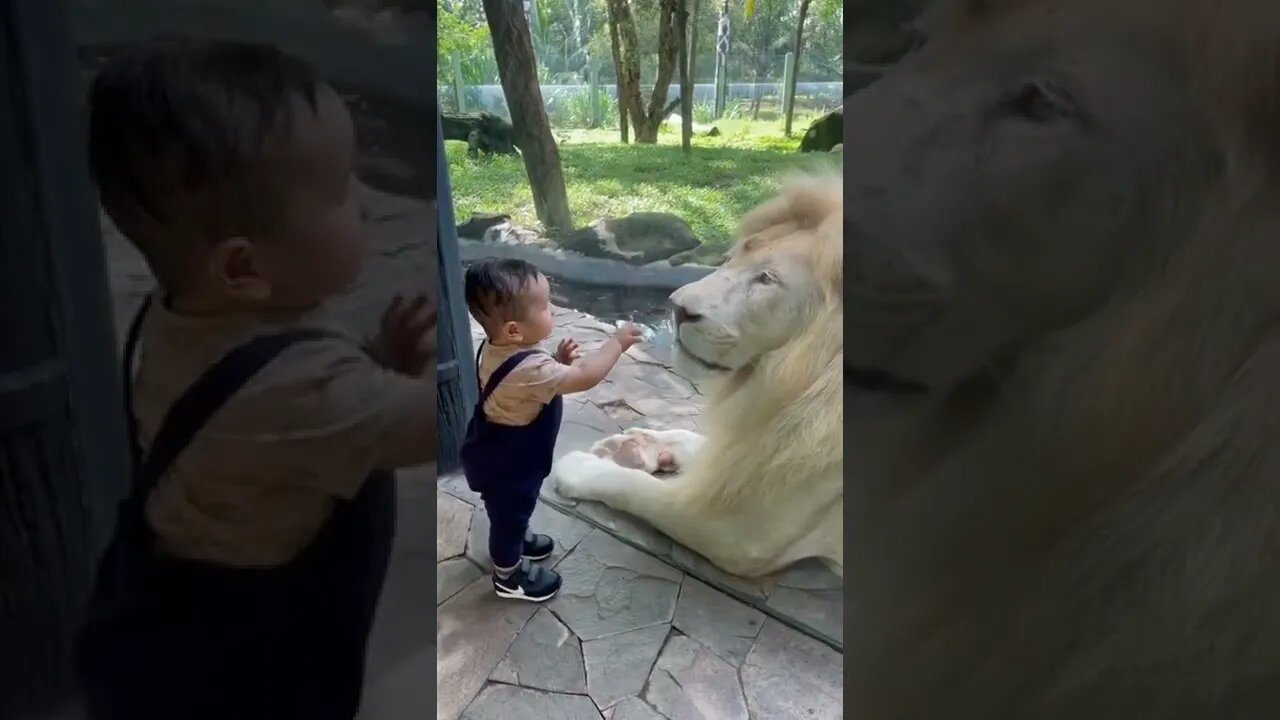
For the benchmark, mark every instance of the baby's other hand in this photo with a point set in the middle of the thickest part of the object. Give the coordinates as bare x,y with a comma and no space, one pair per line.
567,352
407,341
628,335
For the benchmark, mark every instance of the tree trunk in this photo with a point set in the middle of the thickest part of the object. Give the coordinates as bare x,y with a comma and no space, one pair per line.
612,18
628,66
668,62
790,97
646,121
686,81
517,69
693,46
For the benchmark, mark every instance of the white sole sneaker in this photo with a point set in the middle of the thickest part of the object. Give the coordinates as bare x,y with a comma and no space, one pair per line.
518,593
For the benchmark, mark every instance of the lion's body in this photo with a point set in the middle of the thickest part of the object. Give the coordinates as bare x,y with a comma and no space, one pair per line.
764,487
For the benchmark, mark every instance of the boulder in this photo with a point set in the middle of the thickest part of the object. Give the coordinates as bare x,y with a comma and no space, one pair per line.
479,222
825,133
638,239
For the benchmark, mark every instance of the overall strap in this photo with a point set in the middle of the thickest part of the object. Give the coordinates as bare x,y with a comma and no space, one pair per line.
127,367
501,373
205,397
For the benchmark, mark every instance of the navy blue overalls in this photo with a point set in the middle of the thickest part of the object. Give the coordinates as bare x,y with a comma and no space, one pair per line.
174,638
506,464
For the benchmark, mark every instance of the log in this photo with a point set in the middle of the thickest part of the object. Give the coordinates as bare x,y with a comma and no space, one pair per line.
482,132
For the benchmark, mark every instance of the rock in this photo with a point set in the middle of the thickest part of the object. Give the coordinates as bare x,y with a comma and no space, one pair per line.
618,665
505,233
726,626
479,223
821,610
474,631
689,681
610,588
453,575
453,518
633,708
505,702
788,675
545,656
639,238
825,133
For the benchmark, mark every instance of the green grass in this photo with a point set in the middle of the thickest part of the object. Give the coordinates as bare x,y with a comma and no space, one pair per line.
725,177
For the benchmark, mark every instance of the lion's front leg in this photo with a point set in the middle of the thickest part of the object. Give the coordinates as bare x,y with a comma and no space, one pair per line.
721,538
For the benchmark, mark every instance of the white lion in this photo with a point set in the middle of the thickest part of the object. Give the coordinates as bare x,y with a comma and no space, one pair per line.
764,487
1063,234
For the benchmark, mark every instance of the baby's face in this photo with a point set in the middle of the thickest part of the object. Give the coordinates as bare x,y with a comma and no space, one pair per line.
321,247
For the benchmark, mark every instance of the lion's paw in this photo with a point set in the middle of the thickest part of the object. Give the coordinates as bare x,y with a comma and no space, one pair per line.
572,473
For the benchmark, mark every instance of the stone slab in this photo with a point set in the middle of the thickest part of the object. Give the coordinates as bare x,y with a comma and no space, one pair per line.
610,588
725,625
475,628
545,656
689,682
789,676
508,702
618,665
452,575
453,519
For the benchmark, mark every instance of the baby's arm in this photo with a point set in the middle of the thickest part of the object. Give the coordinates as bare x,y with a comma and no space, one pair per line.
592,369
340,411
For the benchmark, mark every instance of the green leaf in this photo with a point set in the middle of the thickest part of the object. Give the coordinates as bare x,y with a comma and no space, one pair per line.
749,8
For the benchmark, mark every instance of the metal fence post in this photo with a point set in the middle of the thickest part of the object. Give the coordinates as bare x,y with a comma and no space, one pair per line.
455,372
64,459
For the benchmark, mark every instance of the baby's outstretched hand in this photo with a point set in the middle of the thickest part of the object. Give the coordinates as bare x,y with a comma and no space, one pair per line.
407,342
628,335
567,352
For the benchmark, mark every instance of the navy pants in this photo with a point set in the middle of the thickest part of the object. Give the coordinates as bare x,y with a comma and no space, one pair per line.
217,643
506,464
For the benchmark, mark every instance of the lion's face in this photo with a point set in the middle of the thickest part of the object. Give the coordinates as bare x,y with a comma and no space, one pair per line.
766,293
1002,185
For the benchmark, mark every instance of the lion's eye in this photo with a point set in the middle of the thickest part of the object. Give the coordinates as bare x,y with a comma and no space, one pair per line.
1041,102
766,278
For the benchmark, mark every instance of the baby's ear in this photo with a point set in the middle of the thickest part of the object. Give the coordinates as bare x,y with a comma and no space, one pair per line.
234,266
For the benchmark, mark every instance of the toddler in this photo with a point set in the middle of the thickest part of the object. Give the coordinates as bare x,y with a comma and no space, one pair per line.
511,439
246,565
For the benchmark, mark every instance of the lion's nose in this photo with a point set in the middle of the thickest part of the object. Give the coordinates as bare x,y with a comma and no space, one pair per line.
684,316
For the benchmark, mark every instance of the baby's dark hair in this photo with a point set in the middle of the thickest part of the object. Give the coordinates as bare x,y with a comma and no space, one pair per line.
178,129
495,289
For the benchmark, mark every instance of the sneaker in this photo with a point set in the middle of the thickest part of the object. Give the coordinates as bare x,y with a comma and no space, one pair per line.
529,582
537,546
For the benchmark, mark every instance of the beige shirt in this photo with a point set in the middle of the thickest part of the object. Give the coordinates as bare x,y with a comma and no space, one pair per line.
260,479
526,390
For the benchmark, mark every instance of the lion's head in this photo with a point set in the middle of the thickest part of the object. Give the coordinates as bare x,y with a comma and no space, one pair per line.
1040,166
781,282
1062,227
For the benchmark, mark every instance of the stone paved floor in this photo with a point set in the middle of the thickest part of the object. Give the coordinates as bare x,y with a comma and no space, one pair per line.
642,629
630,637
